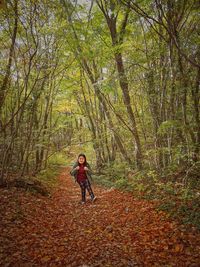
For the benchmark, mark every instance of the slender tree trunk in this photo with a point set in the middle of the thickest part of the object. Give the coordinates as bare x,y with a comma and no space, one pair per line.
8,68
117,39
127,101
195,97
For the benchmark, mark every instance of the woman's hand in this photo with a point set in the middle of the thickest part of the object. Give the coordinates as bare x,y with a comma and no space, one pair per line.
77,168
86,168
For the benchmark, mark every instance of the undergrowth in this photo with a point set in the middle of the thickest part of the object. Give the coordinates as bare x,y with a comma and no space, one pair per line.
176,193
49,175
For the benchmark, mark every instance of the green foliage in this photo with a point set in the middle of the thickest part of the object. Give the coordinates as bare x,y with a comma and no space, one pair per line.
122,183
58,159
167,206
115,170
166,126
188,212
103,181
49,176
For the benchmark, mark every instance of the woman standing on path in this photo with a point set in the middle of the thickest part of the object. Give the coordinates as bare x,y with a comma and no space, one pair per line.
82,172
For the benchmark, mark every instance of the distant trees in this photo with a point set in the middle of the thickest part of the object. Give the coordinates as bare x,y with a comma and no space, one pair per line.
123,74
30,76
172,56
152,65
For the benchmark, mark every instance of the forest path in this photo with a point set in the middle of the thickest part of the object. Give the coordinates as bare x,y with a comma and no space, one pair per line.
116,230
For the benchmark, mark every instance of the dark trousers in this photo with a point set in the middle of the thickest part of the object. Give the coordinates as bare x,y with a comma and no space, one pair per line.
86,185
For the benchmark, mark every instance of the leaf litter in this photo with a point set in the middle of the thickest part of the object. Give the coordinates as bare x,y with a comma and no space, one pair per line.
117,230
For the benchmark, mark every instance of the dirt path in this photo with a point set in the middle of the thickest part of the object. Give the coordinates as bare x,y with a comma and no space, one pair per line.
116,230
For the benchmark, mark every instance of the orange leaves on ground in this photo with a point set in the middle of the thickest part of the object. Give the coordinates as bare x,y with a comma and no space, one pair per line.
116,230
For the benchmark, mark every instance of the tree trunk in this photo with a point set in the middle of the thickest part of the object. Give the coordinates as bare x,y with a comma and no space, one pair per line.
8,68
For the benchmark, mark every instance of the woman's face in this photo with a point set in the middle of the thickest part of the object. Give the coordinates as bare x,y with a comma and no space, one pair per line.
81,160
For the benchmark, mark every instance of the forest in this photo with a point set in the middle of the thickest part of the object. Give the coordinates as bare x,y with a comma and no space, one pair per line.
118,80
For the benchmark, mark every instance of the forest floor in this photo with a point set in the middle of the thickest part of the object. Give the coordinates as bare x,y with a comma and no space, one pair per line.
116,230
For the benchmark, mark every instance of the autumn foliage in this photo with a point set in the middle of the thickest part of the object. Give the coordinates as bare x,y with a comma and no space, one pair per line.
116,230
